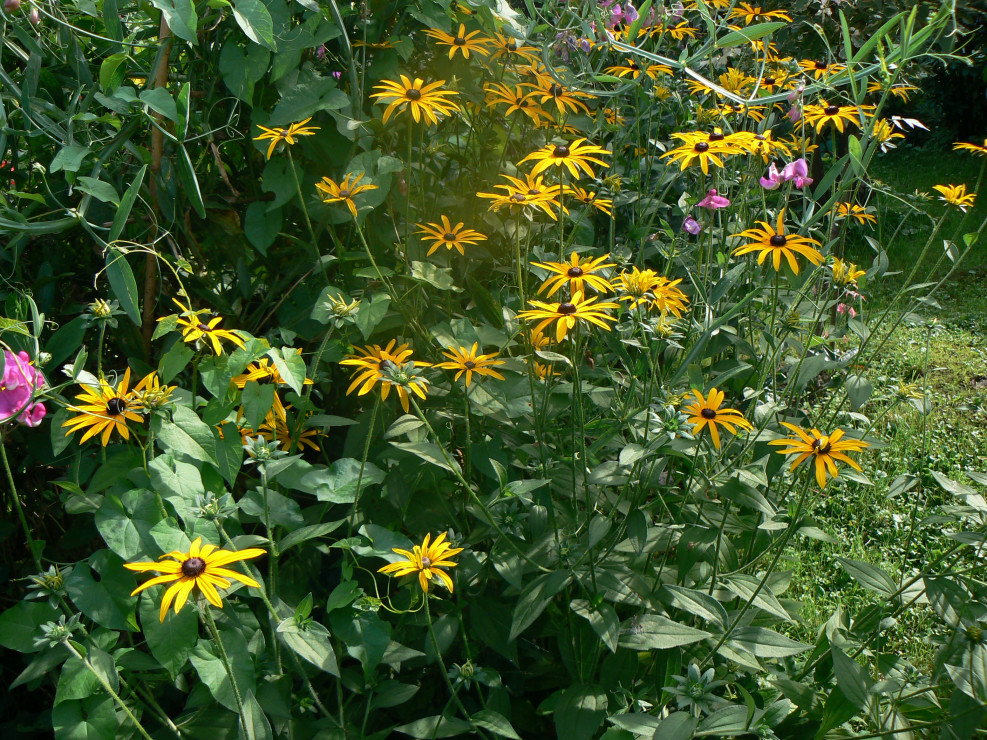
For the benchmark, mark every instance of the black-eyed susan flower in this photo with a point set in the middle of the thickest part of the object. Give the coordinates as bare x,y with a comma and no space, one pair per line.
448,236
955,195
733,80
375,364
278,426
531,192
819,69
979,150
149,394
589,198
574,157
201,567
704,152
565,99
667,297
512,51
819,116
846,273
857,212
264,371
708,411
778,244
632,69
344,192
516,100
754,14
825,448
429,561
287,135
899,91
635,286
427,101
468,361
104,410
568,313
462,42
577,274
195,328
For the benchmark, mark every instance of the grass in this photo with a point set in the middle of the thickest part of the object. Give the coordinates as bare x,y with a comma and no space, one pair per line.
947,359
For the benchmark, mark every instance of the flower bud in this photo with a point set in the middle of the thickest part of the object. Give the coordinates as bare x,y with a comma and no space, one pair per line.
11,6
34,16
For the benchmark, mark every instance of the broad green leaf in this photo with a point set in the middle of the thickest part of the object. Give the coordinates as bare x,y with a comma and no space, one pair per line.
262,226
336,484
75,681
602,618
69,158
93,718
751,33
190,183
126,204
122,283
107,601
187,435
309,95
652,632
19,625
311,643
725,722
436,726
697,603
174,361
125,523
254,19
429,452
745,587
179,483
850,677
303,534
365,635
869,576
160,101
98,189
242,68
497,723
171,641
765,643
535,597
181,17
858,390
580,711
290,366
255,723
205,658
257,402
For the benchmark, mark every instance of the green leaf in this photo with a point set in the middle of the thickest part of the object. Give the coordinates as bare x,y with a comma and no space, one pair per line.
751,33
311,643
253,17
765,643
850,678
171,641
434,727
309,95
370,313
580,711
869,576
181,17
535,597
174,361
303,534
188,435
262,226
336,484
190,183
19,625
179,483
290,366
365,635
75,681
125,523
746,586
497,723
697,603
229,453
858,390
725,722
652,632
257,402
126,204
433,276
837,711
242,69
677,726
122,283
69,158
254,720
112,72
107,601
93,718
602,618
98,189
205,658
160,101
429,452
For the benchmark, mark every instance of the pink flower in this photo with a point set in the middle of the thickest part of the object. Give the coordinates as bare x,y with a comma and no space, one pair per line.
798,171
844,308
19,384
794,94
774,180
691,226
623,17
794,113
712,201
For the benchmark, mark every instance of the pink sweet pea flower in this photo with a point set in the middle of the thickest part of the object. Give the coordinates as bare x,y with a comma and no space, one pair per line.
691,226
794,113
798,171
774,180
17,389
844,308
623,17
712,201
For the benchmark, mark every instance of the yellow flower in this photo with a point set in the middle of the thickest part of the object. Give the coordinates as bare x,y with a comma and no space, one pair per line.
569,313
344,192
103,410
634,70
372,361
516,100
826,449
900,91
263,371
420,99
195,328
445,234
845,273
751,15
856,212
461,42
287,135
707,411
707,148
589,198
548,89
427,560
576,274
977,149
824,113
574,157
820,69
778,244
523,193
201,567
277,426
150,394
512,51
767,147
469,362
956,195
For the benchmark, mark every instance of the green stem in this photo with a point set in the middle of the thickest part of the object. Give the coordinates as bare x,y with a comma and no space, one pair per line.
214,631
31,544
308,221
442,666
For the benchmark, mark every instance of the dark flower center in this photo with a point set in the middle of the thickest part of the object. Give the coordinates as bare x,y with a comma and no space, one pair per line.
556,90
701,146
203,327
116,406
413,94
566,309
821,65
193,567
717,136
831,110
469,364
449,236
560,151
778,240
768,81
459,41
822,446
633,66
426,561
383,364
760,137
344,193
512,45
708,414
575,272
518,198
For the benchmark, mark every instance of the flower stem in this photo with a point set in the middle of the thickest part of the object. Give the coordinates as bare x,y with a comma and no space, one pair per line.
214,631
31,544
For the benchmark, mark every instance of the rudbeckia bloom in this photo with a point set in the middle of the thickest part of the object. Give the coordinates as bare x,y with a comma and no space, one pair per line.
372,361
956,195
977,149
512,51
422,100
516,100
778,244
845,273
577,274
667,297
264,371
826,449
707,152
824,113
522,193
202,567
899,91
857,212
287,135
149,394
569,313
449,236
634,70
755,14
344,192
427,560
589,198
194,329
574,157
636,286
548,89
103,410
707,412
462,42
469,362
819,69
